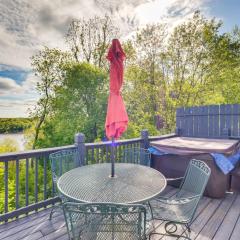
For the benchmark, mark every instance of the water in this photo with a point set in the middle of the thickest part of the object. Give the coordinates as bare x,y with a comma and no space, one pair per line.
18,137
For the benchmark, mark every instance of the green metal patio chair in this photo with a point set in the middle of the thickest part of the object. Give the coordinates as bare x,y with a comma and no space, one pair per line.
180,208
136,155
105,221
61,162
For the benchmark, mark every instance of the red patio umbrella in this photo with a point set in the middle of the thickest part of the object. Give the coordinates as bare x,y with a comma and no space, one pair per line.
117,118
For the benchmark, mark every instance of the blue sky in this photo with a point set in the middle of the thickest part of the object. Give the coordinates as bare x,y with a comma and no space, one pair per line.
27,25
226,10
17,74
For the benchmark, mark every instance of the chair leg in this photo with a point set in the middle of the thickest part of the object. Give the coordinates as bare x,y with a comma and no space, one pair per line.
149,219
188,228
188,231
150,207
53,210
170,229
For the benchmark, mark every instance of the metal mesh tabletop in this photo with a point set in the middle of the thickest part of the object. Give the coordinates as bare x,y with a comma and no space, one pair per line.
133,183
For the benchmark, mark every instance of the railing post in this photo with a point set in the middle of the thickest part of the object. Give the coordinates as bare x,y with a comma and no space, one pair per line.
144,136
80,144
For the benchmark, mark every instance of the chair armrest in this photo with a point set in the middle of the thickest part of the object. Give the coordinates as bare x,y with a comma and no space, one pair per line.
178,201
174,179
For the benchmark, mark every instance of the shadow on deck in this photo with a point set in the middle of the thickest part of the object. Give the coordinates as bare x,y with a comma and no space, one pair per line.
217,219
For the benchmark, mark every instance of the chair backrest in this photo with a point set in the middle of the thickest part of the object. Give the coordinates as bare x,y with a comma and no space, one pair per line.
136,155
90,221
195,179
193,186
63,161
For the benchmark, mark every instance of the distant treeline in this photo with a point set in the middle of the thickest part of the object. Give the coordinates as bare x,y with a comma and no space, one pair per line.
13,125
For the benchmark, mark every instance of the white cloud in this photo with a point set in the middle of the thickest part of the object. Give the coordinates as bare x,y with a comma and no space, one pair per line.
171,12
8,86
16,100
16,108
12,53
27,25
29,85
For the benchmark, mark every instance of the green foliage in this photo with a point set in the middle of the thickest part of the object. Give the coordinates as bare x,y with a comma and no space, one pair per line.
193,64
90,38
79,105
47,65
13,125
9,145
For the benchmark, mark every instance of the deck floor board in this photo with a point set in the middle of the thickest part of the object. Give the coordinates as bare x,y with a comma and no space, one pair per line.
215,219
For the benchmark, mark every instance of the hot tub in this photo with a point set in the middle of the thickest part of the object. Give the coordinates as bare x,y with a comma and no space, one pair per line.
180,150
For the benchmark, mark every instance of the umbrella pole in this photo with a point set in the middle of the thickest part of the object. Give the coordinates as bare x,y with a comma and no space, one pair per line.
112,158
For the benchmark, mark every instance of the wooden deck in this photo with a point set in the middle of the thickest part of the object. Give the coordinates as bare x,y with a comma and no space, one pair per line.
217,219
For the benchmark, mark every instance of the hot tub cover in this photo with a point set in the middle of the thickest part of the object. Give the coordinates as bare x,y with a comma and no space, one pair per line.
188,146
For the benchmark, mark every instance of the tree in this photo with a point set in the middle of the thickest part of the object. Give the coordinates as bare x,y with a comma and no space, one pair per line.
202,62
79,105
12,125
226,66
47,65
145,76
192,65
186,64
89,39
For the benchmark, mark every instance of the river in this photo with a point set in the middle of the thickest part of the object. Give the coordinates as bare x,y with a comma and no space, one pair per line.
18,137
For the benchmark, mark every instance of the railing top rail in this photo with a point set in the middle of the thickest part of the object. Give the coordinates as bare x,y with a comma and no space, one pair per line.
44,151
97,144
31,153
41,152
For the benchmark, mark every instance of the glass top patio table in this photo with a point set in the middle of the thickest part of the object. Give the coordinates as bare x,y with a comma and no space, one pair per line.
133,183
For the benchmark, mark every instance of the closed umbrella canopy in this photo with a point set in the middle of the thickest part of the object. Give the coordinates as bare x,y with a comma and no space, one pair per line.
117,118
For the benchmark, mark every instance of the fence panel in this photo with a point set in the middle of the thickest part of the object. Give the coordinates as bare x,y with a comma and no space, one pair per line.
236,123
214,121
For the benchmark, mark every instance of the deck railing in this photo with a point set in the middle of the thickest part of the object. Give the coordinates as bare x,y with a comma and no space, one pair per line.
32,175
